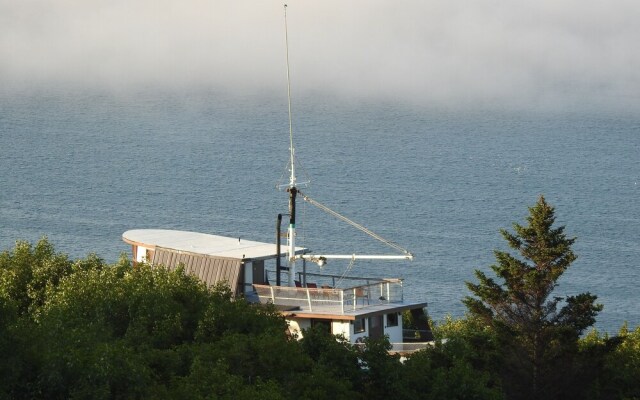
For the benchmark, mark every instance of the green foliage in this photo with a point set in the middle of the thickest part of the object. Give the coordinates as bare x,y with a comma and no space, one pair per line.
333,354
226,316
541,340
27,272
11,354
433,374
462,364
614,362
407,320
623,365
472,340
382,371
85,329
117,331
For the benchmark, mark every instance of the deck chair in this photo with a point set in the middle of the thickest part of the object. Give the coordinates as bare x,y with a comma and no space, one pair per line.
362,294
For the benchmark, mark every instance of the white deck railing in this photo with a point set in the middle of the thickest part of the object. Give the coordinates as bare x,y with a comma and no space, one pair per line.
407,348
403,348
335,281
334,300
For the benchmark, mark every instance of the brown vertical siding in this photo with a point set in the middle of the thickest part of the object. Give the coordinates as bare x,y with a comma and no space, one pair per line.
208,269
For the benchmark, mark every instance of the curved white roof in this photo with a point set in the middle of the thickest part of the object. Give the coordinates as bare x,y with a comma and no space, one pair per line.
203,243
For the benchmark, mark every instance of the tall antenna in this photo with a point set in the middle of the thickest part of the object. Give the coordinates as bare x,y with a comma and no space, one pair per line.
292,179
291,236
293,191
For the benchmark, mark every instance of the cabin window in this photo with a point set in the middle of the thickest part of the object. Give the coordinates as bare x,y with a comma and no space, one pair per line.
324,324
392,319
359,326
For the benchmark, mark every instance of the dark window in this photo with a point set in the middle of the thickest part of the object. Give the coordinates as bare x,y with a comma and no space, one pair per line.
359,326
392,319
325,324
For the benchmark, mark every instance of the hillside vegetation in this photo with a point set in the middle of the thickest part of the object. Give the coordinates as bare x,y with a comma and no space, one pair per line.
85,329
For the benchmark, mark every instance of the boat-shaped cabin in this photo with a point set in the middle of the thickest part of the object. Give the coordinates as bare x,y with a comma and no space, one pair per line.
354,307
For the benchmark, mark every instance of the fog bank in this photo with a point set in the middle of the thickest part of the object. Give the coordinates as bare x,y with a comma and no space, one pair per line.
421,51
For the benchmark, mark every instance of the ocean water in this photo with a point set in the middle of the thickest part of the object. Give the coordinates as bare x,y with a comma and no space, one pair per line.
82,167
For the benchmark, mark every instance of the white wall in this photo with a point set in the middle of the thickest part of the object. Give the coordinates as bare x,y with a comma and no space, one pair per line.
341,328
345,328
297,325
141,255
394,332
338,327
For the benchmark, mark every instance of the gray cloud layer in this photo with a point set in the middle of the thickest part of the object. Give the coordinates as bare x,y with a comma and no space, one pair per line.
421,50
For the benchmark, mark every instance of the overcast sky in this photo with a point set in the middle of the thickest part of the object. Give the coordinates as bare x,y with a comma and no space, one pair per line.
425,51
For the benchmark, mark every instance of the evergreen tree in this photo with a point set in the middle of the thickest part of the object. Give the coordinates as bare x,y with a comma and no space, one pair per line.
540,332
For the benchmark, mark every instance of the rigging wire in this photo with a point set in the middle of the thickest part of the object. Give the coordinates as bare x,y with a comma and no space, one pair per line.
348,269
287,170
354,224
303,225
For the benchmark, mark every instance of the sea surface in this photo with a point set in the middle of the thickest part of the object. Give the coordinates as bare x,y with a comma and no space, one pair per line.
81,167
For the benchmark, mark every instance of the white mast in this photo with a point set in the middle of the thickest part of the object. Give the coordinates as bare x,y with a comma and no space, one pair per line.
293,191
291,237
292,181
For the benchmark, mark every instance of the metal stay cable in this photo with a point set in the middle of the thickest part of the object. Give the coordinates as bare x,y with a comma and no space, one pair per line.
354,224
344,273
